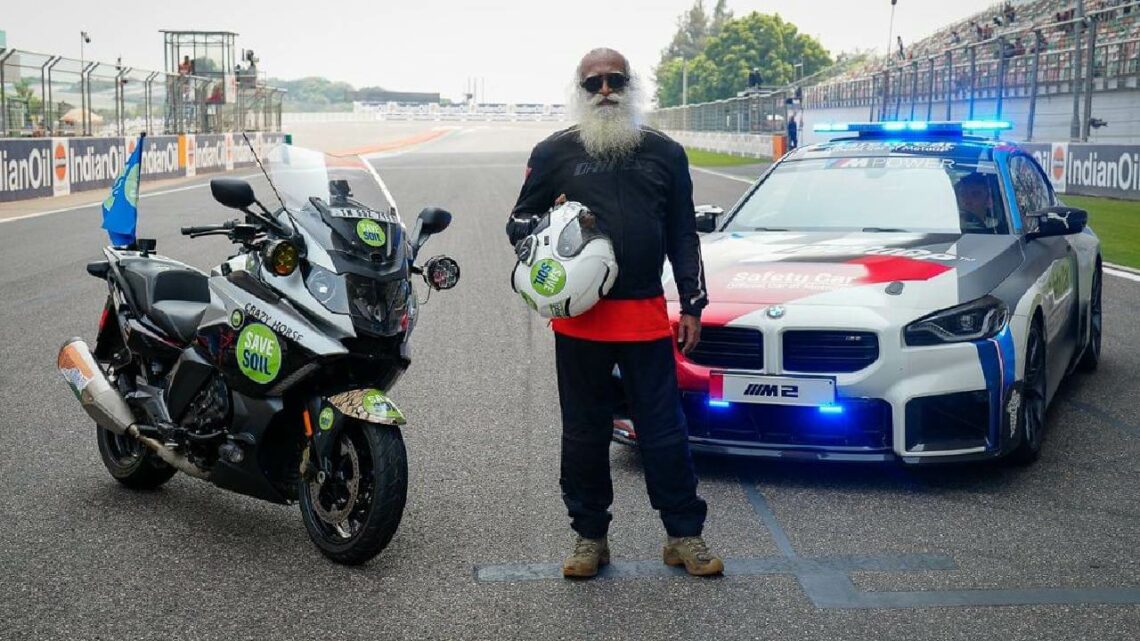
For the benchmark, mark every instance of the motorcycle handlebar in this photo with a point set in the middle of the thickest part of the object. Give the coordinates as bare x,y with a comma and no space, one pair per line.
201,229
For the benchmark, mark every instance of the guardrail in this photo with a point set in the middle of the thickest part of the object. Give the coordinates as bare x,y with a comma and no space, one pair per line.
58,166
49,95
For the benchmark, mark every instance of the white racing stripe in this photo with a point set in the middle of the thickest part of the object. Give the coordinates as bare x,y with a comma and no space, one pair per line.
100,202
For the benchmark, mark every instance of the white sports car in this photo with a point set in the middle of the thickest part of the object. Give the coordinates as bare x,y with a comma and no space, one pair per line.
907,292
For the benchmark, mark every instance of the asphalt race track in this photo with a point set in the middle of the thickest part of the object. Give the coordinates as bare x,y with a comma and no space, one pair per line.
814,551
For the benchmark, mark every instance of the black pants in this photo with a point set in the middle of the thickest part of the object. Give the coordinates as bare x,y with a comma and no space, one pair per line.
585,389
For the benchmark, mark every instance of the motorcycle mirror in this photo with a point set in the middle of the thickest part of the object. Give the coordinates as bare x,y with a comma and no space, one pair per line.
431,220
434,220
441,272
232,192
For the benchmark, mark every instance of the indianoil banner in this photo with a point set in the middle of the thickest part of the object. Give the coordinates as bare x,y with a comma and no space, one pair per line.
25,168
1090,170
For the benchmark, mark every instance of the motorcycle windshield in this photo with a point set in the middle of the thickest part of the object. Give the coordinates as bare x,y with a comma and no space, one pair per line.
339,203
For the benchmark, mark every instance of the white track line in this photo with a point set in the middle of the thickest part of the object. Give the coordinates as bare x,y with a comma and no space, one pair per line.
100,202
1122,274
721,174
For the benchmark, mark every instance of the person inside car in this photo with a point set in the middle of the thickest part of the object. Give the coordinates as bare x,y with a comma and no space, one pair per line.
975,204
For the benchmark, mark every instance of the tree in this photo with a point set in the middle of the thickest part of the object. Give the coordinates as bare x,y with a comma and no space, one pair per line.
692,32
721,69
721,16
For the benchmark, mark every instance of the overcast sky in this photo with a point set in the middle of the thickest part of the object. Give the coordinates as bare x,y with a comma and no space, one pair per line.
524,50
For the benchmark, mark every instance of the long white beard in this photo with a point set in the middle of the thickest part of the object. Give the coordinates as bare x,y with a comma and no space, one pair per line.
609,131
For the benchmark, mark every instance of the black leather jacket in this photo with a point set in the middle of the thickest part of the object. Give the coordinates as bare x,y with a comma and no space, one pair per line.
643,202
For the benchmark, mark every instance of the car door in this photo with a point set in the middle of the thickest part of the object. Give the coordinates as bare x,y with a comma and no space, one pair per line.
1057,260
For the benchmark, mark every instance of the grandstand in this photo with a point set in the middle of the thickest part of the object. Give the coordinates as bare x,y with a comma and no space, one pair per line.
996,47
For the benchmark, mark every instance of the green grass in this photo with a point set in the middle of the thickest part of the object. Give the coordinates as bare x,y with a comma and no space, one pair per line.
701,158
1116,223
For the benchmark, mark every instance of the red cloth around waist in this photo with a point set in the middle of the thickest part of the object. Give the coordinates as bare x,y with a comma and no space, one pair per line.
624,320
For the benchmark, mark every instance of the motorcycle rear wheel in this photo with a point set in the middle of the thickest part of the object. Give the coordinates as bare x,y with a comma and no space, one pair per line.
356,511
130,462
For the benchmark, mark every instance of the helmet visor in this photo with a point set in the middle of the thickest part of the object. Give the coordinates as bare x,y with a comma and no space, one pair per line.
575,236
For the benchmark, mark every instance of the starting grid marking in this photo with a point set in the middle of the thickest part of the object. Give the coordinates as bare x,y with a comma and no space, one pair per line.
827,581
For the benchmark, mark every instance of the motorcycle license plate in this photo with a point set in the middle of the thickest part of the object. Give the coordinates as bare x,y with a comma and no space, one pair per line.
772,390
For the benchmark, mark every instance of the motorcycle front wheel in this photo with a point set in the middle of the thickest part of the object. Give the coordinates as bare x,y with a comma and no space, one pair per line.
352,513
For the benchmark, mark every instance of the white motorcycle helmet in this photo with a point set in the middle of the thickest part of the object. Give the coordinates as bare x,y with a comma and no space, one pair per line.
566,265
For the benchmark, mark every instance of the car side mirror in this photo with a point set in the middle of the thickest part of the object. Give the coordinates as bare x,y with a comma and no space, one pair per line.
1059,220
707,216
431,220
232,192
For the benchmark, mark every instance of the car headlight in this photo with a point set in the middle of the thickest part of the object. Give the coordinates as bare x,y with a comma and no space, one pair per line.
976,320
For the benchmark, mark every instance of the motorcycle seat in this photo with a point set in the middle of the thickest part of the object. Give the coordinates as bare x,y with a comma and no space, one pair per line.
178,318
172,295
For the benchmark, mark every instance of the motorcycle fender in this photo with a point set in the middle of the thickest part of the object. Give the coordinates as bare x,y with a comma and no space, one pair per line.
330,414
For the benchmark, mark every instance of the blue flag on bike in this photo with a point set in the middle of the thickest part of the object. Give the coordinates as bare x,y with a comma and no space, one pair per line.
120,209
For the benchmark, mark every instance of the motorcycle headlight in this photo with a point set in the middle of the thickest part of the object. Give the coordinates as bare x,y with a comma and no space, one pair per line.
328,288
976,320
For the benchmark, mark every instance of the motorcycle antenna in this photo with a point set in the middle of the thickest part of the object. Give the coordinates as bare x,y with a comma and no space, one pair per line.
262,168
271,185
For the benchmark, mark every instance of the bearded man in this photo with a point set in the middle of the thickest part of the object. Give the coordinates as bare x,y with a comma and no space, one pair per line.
636,182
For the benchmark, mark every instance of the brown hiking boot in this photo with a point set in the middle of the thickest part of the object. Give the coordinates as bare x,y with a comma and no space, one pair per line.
588,554
694,554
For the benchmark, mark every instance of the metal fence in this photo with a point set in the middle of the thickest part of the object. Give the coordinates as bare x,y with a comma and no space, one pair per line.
759,113
1101,54
46,95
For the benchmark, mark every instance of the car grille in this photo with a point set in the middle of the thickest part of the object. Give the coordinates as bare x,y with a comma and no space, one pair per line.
829,351
729,347
864,425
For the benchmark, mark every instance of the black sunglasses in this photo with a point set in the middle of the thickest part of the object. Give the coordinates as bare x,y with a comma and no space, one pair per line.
616,81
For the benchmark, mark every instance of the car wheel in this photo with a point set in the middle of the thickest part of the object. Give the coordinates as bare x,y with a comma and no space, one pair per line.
1031,414
1091,357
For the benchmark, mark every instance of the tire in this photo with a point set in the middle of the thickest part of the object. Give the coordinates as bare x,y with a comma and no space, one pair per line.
1090,359
130,462
374,516
1031,414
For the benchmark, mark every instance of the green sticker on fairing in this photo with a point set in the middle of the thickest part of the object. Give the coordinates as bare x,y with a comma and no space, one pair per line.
378,405
258,353
237,319
548,277
371,232
325,419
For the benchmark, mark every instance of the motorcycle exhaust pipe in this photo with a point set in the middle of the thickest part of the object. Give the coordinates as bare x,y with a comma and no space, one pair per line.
99,398
103,403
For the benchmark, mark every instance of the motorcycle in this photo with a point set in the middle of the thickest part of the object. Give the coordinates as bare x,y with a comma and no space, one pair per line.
270,376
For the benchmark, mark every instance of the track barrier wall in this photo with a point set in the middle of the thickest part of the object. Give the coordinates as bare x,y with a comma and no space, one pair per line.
38,167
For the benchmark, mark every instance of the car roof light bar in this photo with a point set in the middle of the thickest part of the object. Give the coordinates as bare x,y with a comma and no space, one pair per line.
959,127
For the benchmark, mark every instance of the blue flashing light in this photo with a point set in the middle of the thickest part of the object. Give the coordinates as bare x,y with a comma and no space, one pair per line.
720,404
831,409
920,126
986,125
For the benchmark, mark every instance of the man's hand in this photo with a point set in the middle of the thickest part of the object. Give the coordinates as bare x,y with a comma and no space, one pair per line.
688,332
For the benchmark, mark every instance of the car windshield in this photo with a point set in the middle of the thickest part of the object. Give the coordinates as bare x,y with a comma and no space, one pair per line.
883,193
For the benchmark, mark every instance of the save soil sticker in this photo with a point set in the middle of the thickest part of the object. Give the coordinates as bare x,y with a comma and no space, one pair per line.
376,404
548,277
258,353
325,419
371,232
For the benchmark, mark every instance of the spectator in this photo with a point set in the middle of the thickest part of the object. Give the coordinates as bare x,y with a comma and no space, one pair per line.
793,133
902,56
955,38
185,68
1010,13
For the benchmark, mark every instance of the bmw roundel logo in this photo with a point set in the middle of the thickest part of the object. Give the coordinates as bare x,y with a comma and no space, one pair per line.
775,312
